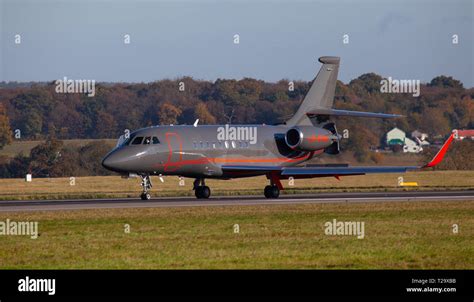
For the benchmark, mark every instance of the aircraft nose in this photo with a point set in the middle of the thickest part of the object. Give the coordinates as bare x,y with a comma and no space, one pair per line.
111,162
106,162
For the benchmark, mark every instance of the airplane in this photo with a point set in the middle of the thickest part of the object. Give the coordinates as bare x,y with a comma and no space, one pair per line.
234,151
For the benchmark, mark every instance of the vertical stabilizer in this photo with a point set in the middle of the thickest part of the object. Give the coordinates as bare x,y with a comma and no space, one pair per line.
321,93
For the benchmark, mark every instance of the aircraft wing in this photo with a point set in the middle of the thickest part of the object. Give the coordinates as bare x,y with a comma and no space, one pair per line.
338,170
320,171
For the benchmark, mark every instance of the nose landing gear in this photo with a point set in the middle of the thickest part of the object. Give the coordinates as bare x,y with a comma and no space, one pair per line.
200,189
146,185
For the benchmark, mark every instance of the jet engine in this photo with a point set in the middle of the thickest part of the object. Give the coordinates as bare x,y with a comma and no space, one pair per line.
309,138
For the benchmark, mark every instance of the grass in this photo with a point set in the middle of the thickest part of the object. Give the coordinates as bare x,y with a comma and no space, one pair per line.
402,235
116,187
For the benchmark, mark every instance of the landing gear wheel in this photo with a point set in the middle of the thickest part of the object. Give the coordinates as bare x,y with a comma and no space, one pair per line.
197,192
146,186
202,192
200,189
205,192
272,192
145,196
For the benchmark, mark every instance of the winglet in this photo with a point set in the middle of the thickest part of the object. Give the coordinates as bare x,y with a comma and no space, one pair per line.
440,155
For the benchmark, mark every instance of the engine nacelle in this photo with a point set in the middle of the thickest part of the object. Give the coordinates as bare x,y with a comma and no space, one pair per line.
308,138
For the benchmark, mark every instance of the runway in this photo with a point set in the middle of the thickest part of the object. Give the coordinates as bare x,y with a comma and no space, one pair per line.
78,204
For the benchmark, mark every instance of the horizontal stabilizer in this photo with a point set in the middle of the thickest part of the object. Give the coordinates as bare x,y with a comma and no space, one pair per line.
339,112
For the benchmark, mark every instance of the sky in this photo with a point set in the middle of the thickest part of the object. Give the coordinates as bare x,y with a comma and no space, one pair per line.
84,39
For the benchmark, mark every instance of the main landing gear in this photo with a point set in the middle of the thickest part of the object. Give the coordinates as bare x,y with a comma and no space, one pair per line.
200,189
146,186
271,191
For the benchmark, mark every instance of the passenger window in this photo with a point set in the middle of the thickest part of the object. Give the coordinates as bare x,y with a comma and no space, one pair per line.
147,140
156,141
137,140
195,145
226,145
233,144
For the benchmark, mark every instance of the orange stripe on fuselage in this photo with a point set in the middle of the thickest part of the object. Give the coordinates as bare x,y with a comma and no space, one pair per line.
223,160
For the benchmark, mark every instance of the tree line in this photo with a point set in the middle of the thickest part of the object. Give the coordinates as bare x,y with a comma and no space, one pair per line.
36,111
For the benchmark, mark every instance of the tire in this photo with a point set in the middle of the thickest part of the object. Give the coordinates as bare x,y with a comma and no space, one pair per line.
275,192
197,192
202,192
145,196
272,192
266,192
205,192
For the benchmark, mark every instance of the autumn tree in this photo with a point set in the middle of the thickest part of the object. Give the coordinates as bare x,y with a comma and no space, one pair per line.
17,167
368,83
168,114
44,156
106,126
89,155
445,82
202,113
5,131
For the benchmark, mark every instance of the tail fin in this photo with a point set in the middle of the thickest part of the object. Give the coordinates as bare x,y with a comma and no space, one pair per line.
321,93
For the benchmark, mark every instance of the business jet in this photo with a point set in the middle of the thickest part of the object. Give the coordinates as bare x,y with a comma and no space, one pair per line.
233,151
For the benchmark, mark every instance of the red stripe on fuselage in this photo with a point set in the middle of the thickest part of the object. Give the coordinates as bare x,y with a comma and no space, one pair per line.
168,136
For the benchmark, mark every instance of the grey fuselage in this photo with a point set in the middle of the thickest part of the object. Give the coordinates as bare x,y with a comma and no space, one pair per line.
201,151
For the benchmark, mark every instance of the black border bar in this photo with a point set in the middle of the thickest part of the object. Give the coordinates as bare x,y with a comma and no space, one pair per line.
127,283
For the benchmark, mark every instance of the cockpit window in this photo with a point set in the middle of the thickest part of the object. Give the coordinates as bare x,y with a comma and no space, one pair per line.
120,141
129,139
137,140
124,140
147,140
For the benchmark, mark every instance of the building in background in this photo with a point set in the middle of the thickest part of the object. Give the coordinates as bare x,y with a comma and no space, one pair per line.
420,137
467,133
397,140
